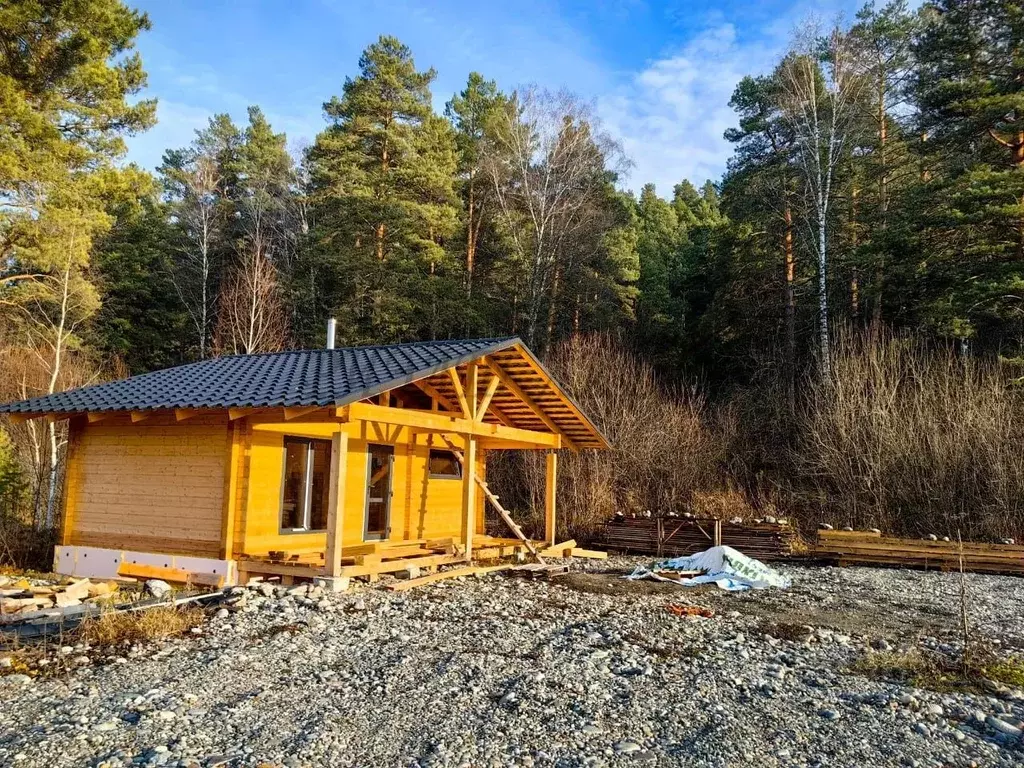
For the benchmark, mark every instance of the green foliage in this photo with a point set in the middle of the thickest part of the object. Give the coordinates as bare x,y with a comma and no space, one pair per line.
382,191
142,321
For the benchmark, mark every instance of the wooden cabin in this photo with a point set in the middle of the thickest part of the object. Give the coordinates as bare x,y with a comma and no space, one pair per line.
315,463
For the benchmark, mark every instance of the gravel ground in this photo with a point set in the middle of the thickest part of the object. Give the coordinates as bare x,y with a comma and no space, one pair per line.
588,670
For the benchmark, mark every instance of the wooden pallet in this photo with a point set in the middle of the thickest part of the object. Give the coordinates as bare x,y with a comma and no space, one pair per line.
871,548
540,570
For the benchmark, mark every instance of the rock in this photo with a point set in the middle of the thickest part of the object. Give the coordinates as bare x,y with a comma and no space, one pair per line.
157,587
626,747
333,584
66,600
1001,726
412,572
880,644
829,714
223,613
18,679
6,662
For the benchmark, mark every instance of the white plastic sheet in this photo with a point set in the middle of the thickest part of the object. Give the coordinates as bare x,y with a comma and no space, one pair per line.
726,567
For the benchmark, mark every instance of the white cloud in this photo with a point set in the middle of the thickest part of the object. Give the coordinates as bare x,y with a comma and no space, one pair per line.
671,116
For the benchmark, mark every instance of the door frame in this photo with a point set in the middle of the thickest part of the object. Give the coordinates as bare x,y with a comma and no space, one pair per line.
386,534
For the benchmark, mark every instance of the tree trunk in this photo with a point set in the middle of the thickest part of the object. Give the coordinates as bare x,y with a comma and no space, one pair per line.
553,306
790,264
883,201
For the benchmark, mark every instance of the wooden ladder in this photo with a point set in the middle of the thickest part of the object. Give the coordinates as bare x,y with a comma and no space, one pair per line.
491,497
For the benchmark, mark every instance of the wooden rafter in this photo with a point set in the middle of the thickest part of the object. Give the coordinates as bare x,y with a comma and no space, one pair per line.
298,412
183,414
460,393
485,401
509,383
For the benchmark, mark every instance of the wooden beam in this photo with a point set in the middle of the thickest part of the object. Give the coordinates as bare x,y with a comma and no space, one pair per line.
550,492
298,412
336,503
485,401
138,416
437,421
460,392
21,418
231,473
434,393
507,380
472,380
469,495
238,413
183,414
71,478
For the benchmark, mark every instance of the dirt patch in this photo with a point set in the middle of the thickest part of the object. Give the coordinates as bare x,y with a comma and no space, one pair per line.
614,584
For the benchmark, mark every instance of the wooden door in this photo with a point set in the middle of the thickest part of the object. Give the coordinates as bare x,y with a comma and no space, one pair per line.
380,463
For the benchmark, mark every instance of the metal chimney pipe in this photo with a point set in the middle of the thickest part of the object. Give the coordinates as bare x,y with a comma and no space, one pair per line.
332,327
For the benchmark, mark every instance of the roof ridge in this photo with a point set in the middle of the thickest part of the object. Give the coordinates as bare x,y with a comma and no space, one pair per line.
392,345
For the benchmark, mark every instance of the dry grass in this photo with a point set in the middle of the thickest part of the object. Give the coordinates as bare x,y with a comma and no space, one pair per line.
941,673
128,627
913,441
662,448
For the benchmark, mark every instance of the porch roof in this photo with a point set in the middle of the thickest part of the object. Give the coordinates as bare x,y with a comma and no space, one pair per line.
323,378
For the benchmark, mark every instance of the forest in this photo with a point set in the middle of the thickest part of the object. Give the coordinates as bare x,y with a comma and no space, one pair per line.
829,332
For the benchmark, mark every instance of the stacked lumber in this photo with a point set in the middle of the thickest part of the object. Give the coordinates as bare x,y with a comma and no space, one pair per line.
872,548
20,597
676,536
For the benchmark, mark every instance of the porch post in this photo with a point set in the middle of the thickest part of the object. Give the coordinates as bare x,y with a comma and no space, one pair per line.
469,493
336,502
550,487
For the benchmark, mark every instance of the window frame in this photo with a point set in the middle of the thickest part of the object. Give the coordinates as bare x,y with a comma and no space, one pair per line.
306,486
455,462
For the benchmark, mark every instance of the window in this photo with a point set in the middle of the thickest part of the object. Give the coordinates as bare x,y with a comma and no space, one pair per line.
307,471
444,464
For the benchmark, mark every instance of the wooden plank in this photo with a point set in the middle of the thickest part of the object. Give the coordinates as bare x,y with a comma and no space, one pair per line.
590,553
513,387
550,494
390,566
140,571
558,550
455,573
336,503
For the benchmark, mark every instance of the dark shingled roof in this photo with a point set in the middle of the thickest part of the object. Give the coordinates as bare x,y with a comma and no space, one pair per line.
320,377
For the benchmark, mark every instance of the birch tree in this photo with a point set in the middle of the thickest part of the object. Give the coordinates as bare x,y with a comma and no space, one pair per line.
548,161
819,88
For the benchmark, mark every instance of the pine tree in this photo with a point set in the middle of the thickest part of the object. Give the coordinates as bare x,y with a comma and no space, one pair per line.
381,178
470,111
969,86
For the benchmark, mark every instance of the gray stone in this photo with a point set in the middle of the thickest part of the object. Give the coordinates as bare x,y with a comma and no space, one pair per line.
157,587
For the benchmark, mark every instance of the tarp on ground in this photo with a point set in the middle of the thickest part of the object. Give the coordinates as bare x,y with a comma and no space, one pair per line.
726,567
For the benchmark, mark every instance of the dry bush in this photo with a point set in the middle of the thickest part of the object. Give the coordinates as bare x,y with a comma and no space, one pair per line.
662,449
127,627
913,441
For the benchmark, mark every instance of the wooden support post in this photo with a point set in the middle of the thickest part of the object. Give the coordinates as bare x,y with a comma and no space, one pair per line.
550,489
471,385
231,474
336,503
469,493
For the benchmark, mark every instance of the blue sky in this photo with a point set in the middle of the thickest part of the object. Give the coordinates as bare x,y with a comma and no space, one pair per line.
659,72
